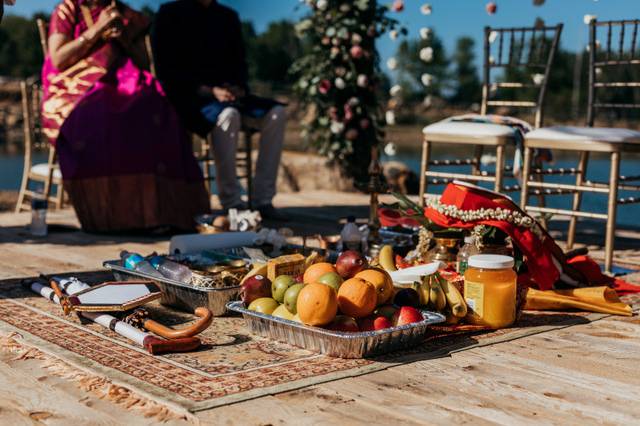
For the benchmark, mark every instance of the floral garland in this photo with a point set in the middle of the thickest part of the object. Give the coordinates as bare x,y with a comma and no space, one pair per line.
515,217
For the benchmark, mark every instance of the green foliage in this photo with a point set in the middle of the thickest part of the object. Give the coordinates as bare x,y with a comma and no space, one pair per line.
20,51
467,84
338,79
411,67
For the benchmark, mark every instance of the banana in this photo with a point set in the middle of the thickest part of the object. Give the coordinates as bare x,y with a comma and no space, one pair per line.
385,258
454,298
424,289
314,257
436,295
258,269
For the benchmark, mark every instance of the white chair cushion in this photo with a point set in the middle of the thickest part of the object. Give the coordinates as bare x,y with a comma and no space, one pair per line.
584,134
469,129
43,170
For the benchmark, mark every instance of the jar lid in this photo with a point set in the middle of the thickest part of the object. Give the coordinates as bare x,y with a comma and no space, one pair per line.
491,261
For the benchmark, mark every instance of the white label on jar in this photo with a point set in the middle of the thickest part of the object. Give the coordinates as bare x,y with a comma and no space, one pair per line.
474,296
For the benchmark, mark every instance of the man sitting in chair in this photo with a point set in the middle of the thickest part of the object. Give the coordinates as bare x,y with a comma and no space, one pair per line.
200,60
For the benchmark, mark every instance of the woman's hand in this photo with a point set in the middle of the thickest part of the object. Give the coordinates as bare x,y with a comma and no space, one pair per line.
110,23
223,94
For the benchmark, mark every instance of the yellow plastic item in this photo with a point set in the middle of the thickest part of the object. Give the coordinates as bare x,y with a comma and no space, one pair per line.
591,299
490,291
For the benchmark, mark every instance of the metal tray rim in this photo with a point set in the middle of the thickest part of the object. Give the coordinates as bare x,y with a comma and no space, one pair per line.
114,265
429,319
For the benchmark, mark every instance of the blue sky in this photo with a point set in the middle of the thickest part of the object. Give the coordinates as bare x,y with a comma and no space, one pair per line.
450,19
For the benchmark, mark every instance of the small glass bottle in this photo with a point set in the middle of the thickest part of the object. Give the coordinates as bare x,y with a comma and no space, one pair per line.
172,270
490,285
38,226
138,263
468,249
351,237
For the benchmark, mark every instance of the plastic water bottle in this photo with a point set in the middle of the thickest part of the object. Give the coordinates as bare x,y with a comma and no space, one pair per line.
137,263
351,237
468,249
170,269
38,226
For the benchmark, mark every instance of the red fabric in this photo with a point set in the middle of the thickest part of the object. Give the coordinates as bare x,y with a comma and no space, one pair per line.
595,276
392,217
539,253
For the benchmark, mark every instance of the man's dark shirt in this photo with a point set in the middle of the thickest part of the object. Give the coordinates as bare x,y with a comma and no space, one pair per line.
196,46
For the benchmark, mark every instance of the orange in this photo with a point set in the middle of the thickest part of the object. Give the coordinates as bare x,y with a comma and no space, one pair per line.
317,304
381,280
317,270
357,298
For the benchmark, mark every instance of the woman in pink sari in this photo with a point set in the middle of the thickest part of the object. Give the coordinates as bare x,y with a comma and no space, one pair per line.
125,159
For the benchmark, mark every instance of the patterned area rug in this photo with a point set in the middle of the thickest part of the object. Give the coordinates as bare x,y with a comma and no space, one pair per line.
232,365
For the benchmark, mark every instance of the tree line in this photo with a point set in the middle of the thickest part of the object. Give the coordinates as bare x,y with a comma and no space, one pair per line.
456,80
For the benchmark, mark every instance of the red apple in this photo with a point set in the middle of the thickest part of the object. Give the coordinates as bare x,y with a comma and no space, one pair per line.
349,263
380,323
344,323
491,8
254,288
406,315
374,323
299,278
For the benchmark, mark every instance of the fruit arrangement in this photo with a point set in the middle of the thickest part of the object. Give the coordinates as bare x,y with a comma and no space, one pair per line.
348,296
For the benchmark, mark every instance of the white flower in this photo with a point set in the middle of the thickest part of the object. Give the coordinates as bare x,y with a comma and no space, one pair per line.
339,83
492,60
303,26
425,33
392,63
344,8
322,4
356,38
426,9
537,79
426,79
395,90
393,34
588,18
493,35
336,127
362,80
426,54
390,117
598,71
353,101
390,149
428,101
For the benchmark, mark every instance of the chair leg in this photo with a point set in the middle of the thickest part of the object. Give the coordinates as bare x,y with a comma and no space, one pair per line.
526,171
499,168
49,179
612,208
424,166
477,156
21,195
249,167
577,198
59,196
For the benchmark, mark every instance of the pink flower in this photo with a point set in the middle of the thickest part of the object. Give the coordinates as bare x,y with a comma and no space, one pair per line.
357,52
348,112
333,113
324,86
398,6
364,123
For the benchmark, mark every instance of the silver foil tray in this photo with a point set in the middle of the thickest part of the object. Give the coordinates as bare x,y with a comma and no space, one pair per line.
337,343
180,295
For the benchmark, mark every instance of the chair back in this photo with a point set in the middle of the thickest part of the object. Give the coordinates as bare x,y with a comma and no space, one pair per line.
525,56
614,66
42,32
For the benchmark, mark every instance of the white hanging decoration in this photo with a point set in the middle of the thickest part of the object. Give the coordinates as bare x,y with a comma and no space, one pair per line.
425,33
340,84
426,9
588,18
322,4
428,101
493,35
395,90
337,127
392,63
393,34
426,54
426,79
538,79
362,81
390,149
390,117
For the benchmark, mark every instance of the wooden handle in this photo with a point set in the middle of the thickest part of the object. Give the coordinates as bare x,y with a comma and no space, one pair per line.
157,346
169,333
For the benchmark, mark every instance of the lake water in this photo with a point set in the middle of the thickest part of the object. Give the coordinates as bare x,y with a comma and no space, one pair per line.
11,176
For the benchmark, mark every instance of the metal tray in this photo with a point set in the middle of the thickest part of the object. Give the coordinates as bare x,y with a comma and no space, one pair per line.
337,343
180,295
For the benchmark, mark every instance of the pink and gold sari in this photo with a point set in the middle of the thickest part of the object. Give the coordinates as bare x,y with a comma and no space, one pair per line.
125,159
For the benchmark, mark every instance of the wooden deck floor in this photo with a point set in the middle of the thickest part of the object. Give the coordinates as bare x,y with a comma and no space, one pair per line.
584,374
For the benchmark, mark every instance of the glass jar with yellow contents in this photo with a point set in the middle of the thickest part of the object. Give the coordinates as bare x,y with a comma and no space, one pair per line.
490,290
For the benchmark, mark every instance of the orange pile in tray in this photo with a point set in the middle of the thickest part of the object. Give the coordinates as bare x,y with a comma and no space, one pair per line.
348,296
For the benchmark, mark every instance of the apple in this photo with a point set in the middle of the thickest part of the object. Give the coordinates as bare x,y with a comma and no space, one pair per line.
254,288
407,297
349,263
491,7
374,323
380,323
387,311
407,315
291,298
343,323
331,279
